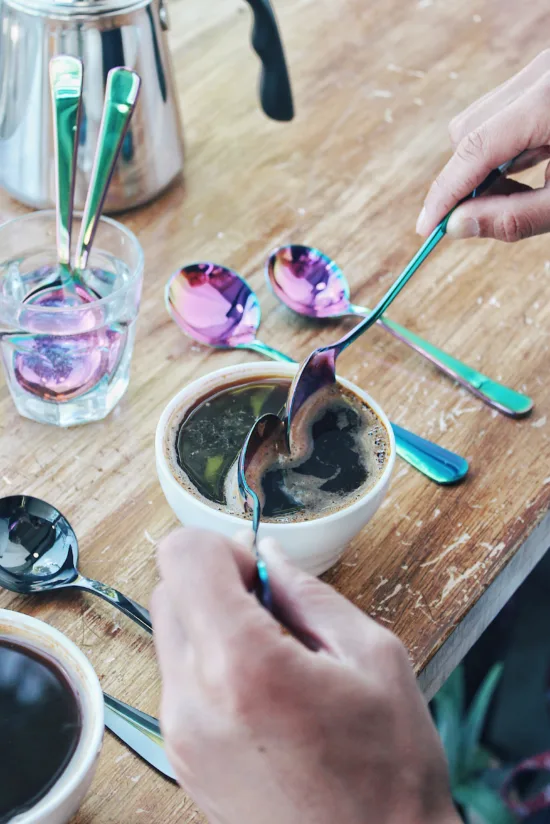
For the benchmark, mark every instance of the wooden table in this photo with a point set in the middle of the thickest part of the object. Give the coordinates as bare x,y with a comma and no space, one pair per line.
375,86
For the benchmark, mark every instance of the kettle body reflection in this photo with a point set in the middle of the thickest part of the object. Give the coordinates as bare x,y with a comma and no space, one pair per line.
105,34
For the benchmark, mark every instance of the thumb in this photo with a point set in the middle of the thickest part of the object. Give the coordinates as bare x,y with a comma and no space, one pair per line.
318,615
508,218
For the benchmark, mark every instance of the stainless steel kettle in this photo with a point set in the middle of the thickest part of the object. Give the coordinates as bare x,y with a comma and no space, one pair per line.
105,34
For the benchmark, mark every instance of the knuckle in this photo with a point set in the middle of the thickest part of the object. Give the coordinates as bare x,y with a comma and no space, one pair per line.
510,227
472,146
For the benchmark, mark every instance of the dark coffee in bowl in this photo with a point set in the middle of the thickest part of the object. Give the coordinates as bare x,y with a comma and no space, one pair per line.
40,726
348,451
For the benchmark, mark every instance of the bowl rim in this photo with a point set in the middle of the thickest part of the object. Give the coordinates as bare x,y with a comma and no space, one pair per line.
26,628
135,275
259,369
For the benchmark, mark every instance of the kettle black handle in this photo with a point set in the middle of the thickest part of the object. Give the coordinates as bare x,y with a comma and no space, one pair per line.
275,90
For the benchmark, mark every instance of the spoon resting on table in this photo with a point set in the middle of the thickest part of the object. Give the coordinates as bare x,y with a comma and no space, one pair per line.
319,368
39,553
312,285
215,306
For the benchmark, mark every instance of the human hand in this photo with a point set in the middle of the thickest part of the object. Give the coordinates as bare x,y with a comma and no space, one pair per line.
262,728
513,119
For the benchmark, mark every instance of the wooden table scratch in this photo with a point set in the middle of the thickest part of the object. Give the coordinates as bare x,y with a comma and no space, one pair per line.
375,87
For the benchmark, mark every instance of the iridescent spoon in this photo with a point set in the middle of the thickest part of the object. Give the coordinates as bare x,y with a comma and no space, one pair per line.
61,368
319,368
121,94
311,284
263,429
39,553
215,306
66,90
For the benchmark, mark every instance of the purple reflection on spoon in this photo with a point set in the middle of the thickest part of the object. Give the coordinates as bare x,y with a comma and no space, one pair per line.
213,305
60,367
308,281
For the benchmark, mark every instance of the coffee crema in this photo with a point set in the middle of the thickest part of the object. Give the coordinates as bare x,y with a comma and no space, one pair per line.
345,451
40,725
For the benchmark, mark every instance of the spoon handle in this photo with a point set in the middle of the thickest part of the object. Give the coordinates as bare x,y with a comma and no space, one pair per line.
139,731
425,250
268,351
495,394
66,90
121,93
439,464
130,608
434,461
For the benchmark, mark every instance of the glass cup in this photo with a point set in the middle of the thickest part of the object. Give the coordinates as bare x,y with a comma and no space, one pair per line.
67,357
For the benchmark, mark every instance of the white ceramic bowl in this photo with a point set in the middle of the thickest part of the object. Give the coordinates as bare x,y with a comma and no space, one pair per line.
60,804
312,545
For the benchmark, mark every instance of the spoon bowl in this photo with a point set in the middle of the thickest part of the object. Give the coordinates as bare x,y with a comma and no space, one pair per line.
308,282
213,305
38,546
39,553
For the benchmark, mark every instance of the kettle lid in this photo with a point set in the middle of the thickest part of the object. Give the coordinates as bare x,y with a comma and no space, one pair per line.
76,8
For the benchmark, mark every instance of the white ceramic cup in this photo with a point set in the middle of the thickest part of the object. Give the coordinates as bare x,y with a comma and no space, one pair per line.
312,545
62,801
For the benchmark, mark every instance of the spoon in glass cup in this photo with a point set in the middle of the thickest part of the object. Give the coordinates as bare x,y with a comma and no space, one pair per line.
39,553
215,306
312,285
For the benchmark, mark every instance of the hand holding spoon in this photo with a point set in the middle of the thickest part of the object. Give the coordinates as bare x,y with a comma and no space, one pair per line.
319,368
39,553
215,306
311,284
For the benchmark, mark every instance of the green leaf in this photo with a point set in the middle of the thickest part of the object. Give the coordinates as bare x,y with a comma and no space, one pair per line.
213,466
448,706
476,716
485,803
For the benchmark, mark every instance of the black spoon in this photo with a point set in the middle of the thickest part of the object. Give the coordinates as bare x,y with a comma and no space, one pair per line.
39,553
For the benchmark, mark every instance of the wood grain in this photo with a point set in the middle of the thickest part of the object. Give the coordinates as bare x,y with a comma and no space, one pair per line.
375,86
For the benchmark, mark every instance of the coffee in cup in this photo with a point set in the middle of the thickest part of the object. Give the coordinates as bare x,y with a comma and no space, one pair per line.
342,450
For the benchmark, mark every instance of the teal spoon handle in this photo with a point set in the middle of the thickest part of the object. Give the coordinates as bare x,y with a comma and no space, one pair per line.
433,461
500,397
121,93
66,91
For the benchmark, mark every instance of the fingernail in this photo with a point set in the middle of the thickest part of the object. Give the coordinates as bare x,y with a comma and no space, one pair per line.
421,221
462,227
